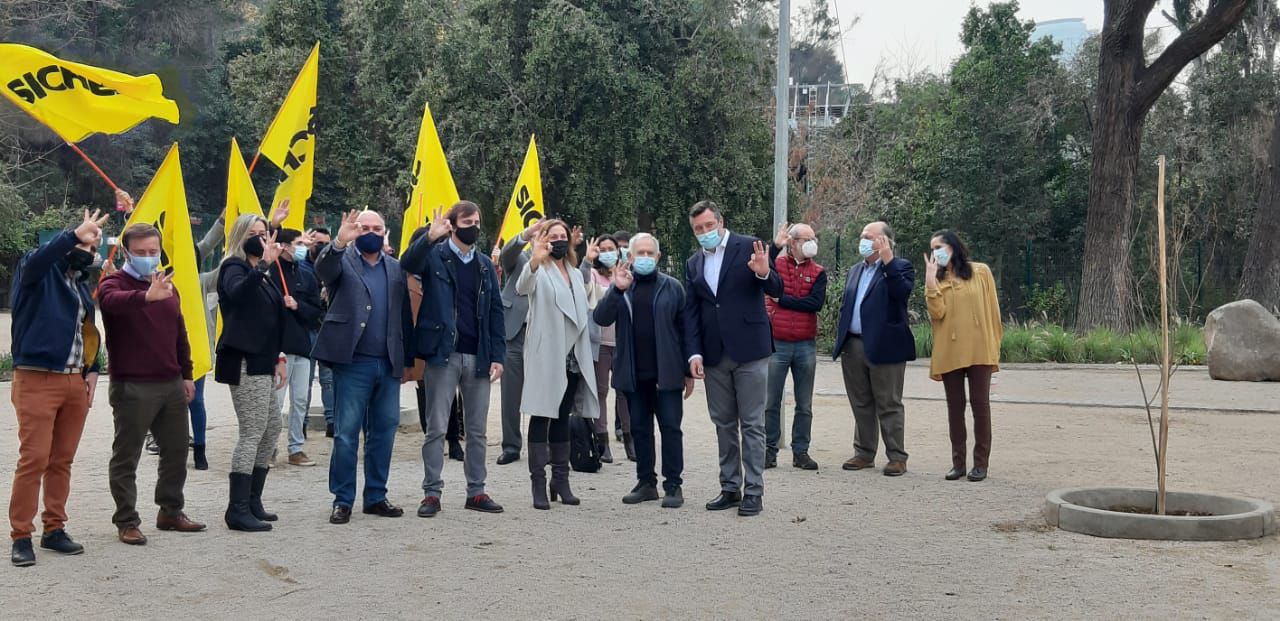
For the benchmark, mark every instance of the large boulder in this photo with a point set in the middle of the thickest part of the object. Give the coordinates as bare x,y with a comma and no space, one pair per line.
1243,342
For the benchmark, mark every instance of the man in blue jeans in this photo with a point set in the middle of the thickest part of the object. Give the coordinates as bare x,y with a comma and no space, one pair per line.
319,238
364,339
794,317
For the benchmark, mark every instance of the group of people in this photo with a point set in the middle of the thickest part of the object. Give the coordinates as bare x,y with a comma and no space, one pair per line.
557,331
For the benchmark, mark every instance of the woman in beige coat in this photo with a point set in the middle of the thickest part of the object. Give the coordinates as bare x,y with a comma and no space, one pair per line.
557,360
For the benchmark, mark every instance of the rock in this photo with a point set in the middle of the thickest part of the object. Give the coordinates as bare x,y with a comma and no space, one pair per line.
1243,342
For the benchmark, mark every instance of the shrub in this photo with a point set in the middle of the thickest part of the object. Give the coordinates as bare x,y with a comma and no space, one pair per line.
1101,346
1059,345
923,334
1020,345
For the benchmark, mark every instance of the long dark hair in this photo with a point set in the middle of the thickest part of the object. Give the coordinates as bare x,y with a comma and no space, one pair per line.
960,264
601,267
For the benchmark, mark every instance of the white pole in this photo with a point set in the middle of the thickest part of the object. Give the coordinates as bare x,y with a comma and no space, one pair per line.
782,129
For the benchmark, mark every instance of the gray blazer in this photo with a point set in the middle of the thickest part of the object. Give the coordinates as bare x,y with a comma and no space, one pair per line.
349,306
515,307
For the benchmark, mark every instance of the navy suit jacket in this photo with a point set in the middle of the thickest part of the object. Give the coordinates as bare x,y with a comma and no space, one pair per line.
886,329
350,305
734,322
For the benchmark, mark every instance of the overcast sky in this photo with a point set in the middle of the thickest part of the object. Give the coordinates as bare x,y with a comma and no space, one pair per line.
906,35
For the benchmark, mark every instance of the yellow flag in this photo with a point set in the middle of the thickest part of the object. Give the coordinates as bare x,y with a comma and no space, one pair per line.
241,199
164,205
432,183
525,207
290,142
76,100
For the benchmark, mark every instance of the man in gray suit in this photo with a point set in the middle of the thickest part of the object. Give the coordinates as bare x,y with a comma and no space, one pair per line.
364,339
512,260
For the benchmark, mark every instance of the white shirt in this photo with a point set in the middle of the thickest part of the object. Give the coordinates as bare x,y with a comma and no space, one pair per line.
712,263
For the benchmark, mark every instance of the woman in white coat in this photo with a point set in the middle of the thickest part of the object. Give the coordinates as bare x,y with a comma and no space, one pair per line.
557,360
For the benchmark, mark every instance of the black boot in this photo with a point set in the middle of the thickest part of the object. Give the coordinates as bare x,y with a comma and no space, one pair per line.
238,516
539,457
255,495
602,447
629,444
560,474
197,453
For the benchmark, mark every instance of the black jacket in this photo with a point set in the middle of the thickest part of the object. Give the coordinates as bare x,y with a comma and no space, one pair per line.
668,301
297,325
252,315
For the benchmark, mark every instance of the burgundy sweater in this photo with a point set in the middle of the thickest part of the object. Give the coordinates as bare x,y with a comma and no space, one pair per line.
146,341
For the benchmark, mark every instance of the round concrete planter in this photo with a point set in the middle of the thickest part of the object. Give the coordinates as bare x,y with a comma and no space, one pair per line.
1087,510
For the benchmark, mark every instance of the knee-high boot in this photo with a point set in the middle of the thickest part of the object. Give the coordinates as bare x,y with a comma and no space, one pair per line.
539,457
238,516
255,495
560,474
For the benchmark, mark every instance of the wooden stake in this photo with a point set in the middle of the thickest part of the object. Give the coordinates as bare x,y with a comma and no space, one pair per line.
1164,346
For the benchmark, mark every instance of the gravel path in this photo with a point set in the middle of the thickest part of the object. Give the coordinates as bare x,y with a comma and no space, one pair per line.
830,544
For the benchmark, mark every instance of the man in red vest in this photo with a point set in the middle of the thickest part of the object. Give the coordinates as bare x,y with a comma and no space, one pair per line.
794,316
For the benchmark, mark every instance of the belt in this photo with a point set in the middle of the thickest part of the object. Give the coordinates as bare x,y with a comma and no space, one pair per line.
856,336
62,371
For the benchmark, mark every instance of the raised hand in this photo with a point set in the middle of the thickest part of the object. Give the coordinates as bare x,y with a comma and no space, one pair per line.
593,250
161,287
532,232
541,249
90,230
349,230
783,235
440,226
930,270
124,202
885,249
759,262
281,213
576,238
270,249
622,276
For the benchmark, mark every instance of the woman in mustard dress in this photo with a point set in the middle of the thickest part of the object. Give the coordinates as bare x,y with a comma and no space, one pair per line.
967,330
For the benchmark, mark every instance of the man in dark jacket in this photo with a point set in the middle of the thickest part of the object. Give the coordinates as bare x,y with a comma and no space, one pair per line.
649,365
296,278
55,357
460,335
874,344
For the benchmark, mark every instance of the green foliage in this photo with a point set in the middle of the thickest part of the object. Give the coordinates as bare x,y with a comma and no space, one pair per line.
1021,345
923,334
1050,304
1101,345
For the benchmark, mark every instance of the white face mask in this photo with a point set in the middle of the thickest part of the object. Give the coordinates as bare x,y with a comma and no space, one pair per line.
809,249
941,256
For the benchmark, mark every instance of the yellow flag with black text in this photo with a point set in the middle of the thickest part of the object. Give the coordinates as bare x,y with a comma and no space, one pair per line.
290,142
525,207
76,100
241,198
164,205
432,183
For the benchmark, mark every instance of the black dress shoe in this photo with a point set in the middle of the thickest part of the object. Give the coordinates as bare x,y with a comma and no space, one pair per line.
955,473
340,515
60,542
770,461
508,457
641,493
455,450
804,462
726,500
384,509
751,505
328,430
484,504
978,474
674,499
22,555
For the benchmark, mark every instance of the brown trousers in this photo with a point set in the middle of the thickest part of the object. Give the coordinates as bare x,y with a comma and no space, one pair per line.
137,407
875,394
51,409
979,377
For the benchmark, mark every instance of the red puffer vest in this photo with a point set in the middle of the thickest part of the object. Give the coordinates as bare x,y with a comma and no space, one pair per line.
797,281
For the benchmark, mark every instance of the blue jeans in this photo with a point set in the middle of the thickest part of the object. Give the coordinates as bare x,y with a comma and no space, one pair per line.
199,417
801,359
367,399
667,406
325,372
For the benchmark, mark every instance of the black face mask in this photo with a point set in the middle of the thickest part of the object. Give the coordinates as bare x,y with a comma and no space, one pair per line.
468,235
559,248
253,247
79,259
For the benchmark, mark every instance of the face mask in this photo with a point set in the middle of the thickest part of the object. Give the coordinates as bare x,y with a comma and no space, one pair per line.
710,240
609,258
300,253
941,256
253,246
809,249
866,248
559,248
369,243
645,265
144,266
468,235
79,259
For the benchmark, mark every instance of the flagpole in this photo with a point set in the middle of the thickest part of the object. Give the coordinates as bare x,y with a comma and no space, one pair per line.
254,162
94,166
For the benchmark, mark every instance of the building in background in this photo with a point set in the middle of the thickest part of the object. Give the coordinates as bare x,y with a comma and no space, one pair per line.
1069,32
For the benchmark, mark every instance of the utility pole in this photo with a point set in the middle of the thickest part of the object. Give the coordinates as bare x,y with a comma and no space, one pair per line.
782,129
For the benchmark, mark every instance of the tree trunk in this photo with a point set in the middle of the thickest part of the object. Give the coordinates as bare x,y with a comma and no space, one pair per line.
1261,279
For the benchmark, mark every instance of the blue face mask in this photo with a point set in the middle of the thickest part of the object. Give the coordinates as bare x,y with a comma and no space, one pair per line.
299,253
866,248
645,265
941,256
144,266
710,240
609,258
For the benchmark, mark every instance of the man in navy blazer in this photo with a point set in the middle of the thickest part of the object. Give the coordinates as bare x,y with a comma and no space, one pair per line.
874,344
729,342
365,339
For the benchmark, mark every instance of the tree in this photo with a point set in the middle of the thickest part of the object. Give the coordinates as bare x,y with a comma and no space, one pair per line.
1261,278
1127,89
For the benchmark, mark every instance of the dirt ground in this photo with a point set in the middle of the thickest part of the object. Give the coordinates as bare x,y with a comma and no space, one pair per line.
830,544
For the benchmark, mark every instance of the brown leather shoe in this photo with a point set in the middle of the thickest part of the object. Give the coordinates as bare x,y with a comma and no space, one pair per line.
858,463
133,536
179,522
895,469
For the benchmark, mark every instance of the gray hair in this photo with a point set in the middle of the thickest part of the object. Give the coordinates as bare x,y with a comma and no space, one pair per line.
639,236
